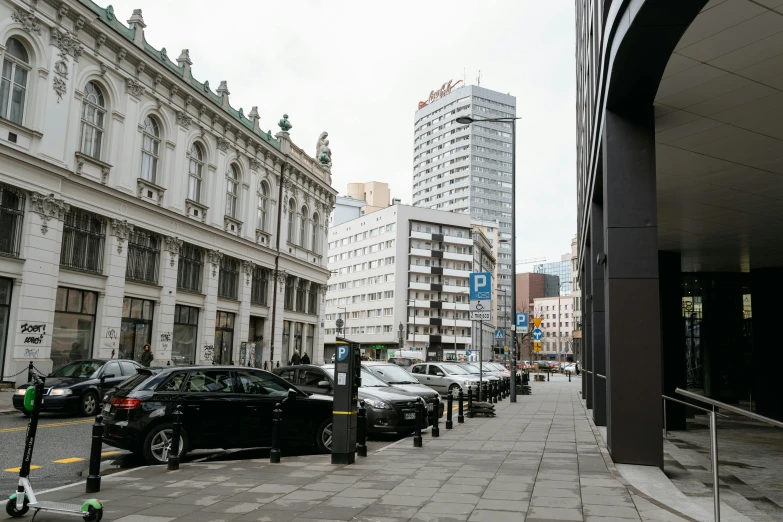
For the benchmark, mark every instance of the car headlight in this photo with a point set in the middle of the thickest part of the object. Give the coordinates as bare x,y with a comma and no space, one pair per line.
62,391
21,391
378,405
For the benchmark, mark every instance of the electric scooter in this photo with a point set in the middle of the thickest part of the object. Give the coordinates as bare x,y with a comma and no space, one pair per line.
24,498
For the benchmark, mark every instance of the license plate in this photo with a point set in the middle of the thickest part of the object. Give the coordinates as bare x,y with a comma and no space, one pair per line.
429,407
410,416
106,408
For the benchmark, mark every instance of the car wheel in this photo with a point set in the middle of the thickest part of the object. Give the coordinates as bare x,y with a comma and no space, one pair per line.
323,436
454,390
157,444
90,404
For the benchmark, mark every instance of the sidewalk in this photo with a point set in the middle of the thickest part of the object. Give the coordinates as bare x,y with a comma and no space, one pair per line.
6,401
538,460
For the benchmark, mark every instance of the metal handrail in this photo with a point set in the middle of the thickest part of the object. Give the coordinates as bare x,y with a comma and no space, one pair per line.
601,376
690,405
724,406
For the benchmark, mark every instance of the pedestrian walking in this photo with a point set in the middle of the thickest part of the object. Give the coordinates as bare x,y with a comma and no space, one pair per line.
577,368
146,356
305,358
296,359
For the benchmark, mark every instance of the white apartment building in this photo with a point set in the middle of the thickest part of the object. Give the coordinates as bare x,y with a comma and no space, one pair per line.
466,169
557,322
138,206
576,295
406,267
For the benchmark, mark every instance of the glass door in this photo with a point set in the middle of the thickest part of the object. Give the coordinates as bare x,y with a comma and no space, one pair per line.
136,328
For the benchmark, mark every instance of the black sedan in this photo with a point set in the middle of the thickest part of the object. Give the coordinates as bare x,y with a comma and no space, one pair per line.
78,386
396,377
223,407
389,410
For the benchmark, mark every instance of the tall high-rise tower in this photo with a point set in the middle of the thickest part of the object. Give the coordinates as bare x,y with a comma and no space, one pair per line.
467,168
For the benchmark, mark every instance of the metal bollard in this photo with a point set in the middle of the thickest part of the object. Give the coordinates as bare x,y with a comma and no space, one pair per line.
569,376
274,453
176,433
417,432
361,432
435,428
30,372
548,373
94,479
470,402
495,392
449,412
499,391
460,415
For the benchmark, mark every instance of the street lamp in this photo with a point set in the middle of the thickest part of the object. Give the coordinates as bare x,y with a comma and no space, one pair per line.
467,120
505,316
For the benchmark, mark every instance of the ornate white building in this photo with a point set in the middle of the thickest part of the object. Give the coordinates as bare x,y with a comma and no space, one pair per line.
138,206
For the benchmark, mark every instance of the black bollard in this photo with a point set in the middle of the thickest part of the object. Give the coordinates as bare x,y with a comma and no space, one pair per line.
361,432
449,412
470,403
30,372
417,432
548,373
569,376
274,453
495,392
435,428
460,410
176,433
94,478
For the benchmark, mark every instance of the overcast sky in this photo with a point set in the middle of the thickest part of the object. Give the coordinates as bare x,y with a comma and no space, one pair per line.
358,69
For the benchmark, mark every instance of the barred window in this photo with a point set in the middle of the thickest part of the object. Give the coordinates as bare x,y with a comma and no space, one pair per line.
11,217
300,296
143,256
260,285
83,237
191,268
312,299
288,299
228,279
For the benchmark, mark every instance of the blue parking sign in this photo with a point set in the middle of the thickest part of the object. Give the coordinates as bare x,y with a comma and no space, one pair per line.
342,352
522,320
480,286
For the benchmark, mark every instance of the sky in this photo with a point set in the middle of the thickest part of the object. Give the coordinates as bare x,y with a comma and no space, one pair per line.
357,69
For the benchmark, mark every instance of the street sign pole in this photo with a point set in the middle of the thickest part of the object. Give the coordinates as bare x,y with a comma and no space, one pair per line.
481,357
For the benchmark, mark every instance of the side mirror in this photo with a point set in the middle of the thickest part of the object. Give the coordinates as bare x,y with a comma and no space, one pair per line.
107,376
291,395
324,384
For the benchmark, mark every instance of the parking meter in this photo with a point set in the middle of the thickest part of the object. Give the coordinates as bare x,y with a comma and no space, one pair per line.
347,379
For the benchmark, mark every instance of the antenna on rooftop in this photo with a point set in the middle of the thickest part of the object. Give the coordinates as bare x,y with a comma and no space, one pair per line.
478,78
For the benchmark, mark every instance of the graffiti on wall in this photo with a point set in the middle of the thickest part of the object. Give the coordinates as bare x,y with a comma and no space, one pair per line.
39,329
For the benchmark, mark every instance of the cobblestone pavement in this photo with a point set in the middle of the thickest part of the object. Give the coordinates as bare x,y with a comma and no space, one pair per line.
537,460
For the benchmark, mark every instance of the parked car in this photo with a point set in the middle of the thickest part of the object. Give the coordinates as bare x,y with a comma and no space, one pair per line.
571,367
473,369
444,377
497,369
396,377
223,407
78,386
389,410
404,362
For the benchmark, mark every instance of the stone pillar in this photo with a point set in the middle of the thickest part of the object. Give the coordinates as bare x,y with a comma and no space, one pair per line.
766,289
672,329
210,287
163,330
109,315
277,283
243,326
30,337
318,343
587,326
598,321
633,332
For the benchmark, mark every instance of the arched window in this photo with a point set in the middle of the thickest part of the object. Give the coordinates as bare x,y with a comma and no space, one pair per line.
149,150
194,173
314,238
93,114
291,220
13,87
303,228
263,205
232,190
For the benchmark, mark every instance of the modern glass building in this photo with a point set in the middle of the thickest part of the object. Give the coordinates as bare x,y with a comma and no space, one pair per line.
561,269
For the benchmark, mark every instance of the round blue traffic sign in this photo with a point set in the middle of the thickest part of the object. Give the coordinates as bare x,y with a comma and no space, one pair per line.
537,334
468,352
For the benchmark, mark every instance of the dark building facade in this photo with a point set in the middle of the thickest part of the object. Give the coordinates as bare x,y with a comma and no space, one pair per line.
680,195
532,286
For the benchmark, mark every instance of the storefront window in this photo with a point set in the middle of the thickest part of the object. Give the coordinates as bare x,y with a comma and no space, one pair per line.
183,348
74,325
224,338
286,342
136,329
6,286
298,331
255,340
310,337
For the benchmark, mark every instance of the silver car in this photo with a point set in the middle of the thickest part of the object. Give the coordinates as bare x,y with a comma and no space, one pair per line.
445,377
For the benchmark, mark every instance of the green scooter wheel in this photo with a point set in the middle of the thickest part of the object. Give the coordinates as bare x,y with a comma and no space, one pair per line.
93,515
10,507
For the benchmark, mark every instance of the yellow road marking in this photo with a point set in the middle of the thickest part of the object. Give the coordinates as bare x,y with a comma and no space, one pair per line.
68,460
107,453
49,425
16,470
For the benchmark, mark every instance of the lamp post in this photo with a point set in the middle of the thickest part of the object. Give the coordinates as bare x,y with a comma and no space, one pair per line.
505,317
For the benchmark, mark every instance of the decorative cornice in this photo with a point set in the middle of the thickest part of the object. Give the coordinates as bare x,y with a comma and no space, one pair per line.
215,256
122,230
27,20
222,143
67,43
173,246
247,268
134,87
48,207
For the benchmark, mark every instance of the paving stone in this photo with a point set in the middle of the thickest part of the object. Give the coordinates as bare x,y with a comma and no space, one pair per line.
447,509
612,511
542,513
483,515
397,500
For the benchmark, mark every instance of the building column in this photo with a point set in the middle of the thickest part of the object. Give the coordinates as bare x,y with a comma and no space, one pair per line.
723,350
598,321
587,327
672,329
318,342
276,343
163,330
30,336
206,352
109,315
633,332
245,286
766,289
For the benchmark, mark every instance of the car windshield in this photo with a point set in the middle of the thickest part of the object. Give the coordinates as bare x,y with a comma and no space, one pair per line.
371,381
454,369
392,374
79,369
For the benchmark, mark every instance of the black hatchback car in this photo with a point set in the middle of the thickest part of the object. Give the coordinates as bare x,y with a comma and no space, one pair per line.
78,386
223,407
389,410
